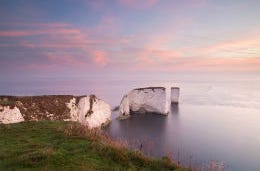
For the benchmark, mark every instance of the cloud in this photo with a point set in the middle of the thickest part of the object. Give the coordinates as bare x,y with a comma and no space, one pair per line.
235,45
100,58
20,33
64,46
137,4
64,59
198,3
245,46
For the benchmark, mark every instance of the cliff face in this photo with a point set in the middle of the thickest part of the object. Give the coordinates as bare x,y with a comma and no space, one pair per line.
124,107
175,93
88,110
8,115
150,99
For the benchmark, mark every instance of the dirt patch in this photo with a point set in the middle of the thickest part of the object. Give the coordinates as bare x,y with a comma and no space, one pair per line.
151,88
92,100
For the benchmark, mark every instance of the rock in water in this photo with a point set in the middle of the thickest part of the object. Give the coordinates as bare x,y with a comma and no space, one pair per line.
175,93
90,111
149,99
8,115
124,106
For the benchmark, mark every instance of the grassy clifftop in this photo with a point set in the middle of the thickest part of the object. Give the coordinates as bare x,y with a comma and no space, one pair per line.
68,146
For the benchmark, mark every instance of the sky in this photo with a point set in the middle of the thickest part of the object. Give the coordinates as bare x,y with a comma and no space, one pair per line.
128,37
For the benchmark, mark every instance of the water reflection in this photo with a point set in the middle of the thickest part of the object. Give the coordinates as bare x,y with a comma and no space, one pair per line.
146,130
174,109
195,135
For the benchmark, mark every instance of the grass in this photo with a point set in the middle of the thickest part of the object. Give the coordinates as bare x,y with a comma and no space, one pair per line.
68,146
6,102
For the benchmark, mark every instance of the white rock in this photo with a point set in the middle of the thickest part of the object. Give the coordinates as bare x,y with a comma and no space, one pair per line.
124,106
150,99
90,111
73,110
175,93
8,115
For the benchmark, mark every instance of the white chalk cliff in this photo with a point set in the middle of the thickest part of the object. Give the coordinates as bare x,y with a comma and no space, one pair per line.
87,110
175,93
8,115
124,107
149,99
90,111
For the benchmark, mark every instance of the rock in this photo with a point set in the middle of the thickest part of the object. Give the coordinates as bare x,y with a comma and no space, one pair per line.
175,93
142,100
8,115
124,107
90,111
73,110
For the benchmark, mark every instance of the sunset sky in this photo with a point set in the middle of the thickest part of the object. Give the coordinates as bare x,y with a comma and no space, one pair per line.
122,37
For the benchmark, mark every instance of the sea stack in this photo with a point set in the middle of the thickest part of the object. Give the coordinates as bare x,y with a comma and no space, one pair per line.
145,100
175,93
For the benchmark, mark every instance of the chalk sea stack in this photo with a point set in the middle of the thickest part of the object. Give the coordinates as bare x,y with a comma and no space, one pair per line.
175,94
145,100
87,110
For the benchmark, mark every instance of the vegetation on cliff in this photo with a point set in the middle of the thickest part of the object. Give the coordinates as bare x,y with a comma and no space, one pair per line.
47,145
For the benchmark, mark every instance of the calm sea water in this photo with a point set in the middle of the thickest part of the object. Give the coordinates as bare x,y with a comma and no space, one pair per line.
218,117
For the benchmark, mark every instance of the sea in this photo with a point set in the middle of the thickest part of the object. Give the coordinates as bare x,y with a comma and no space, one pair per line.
216,124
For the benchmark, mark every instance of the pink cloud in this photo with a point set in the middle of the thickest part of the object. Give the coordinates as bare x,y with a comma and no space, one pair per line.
244,46
19,33
173,60
242,43
198,3
34,25
230,64
149,59
62,40
15,33
61,59
56,61
161,55
101,46
201,64
66,36
100,58
137,4
57,38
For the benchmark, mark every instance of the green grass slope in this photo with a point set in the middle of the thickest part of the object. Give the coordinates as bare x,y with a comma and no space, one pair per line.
68,146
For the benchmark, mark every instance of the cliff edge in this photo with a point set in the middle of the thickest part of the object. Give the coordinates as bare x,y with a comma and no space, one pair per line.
87,110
